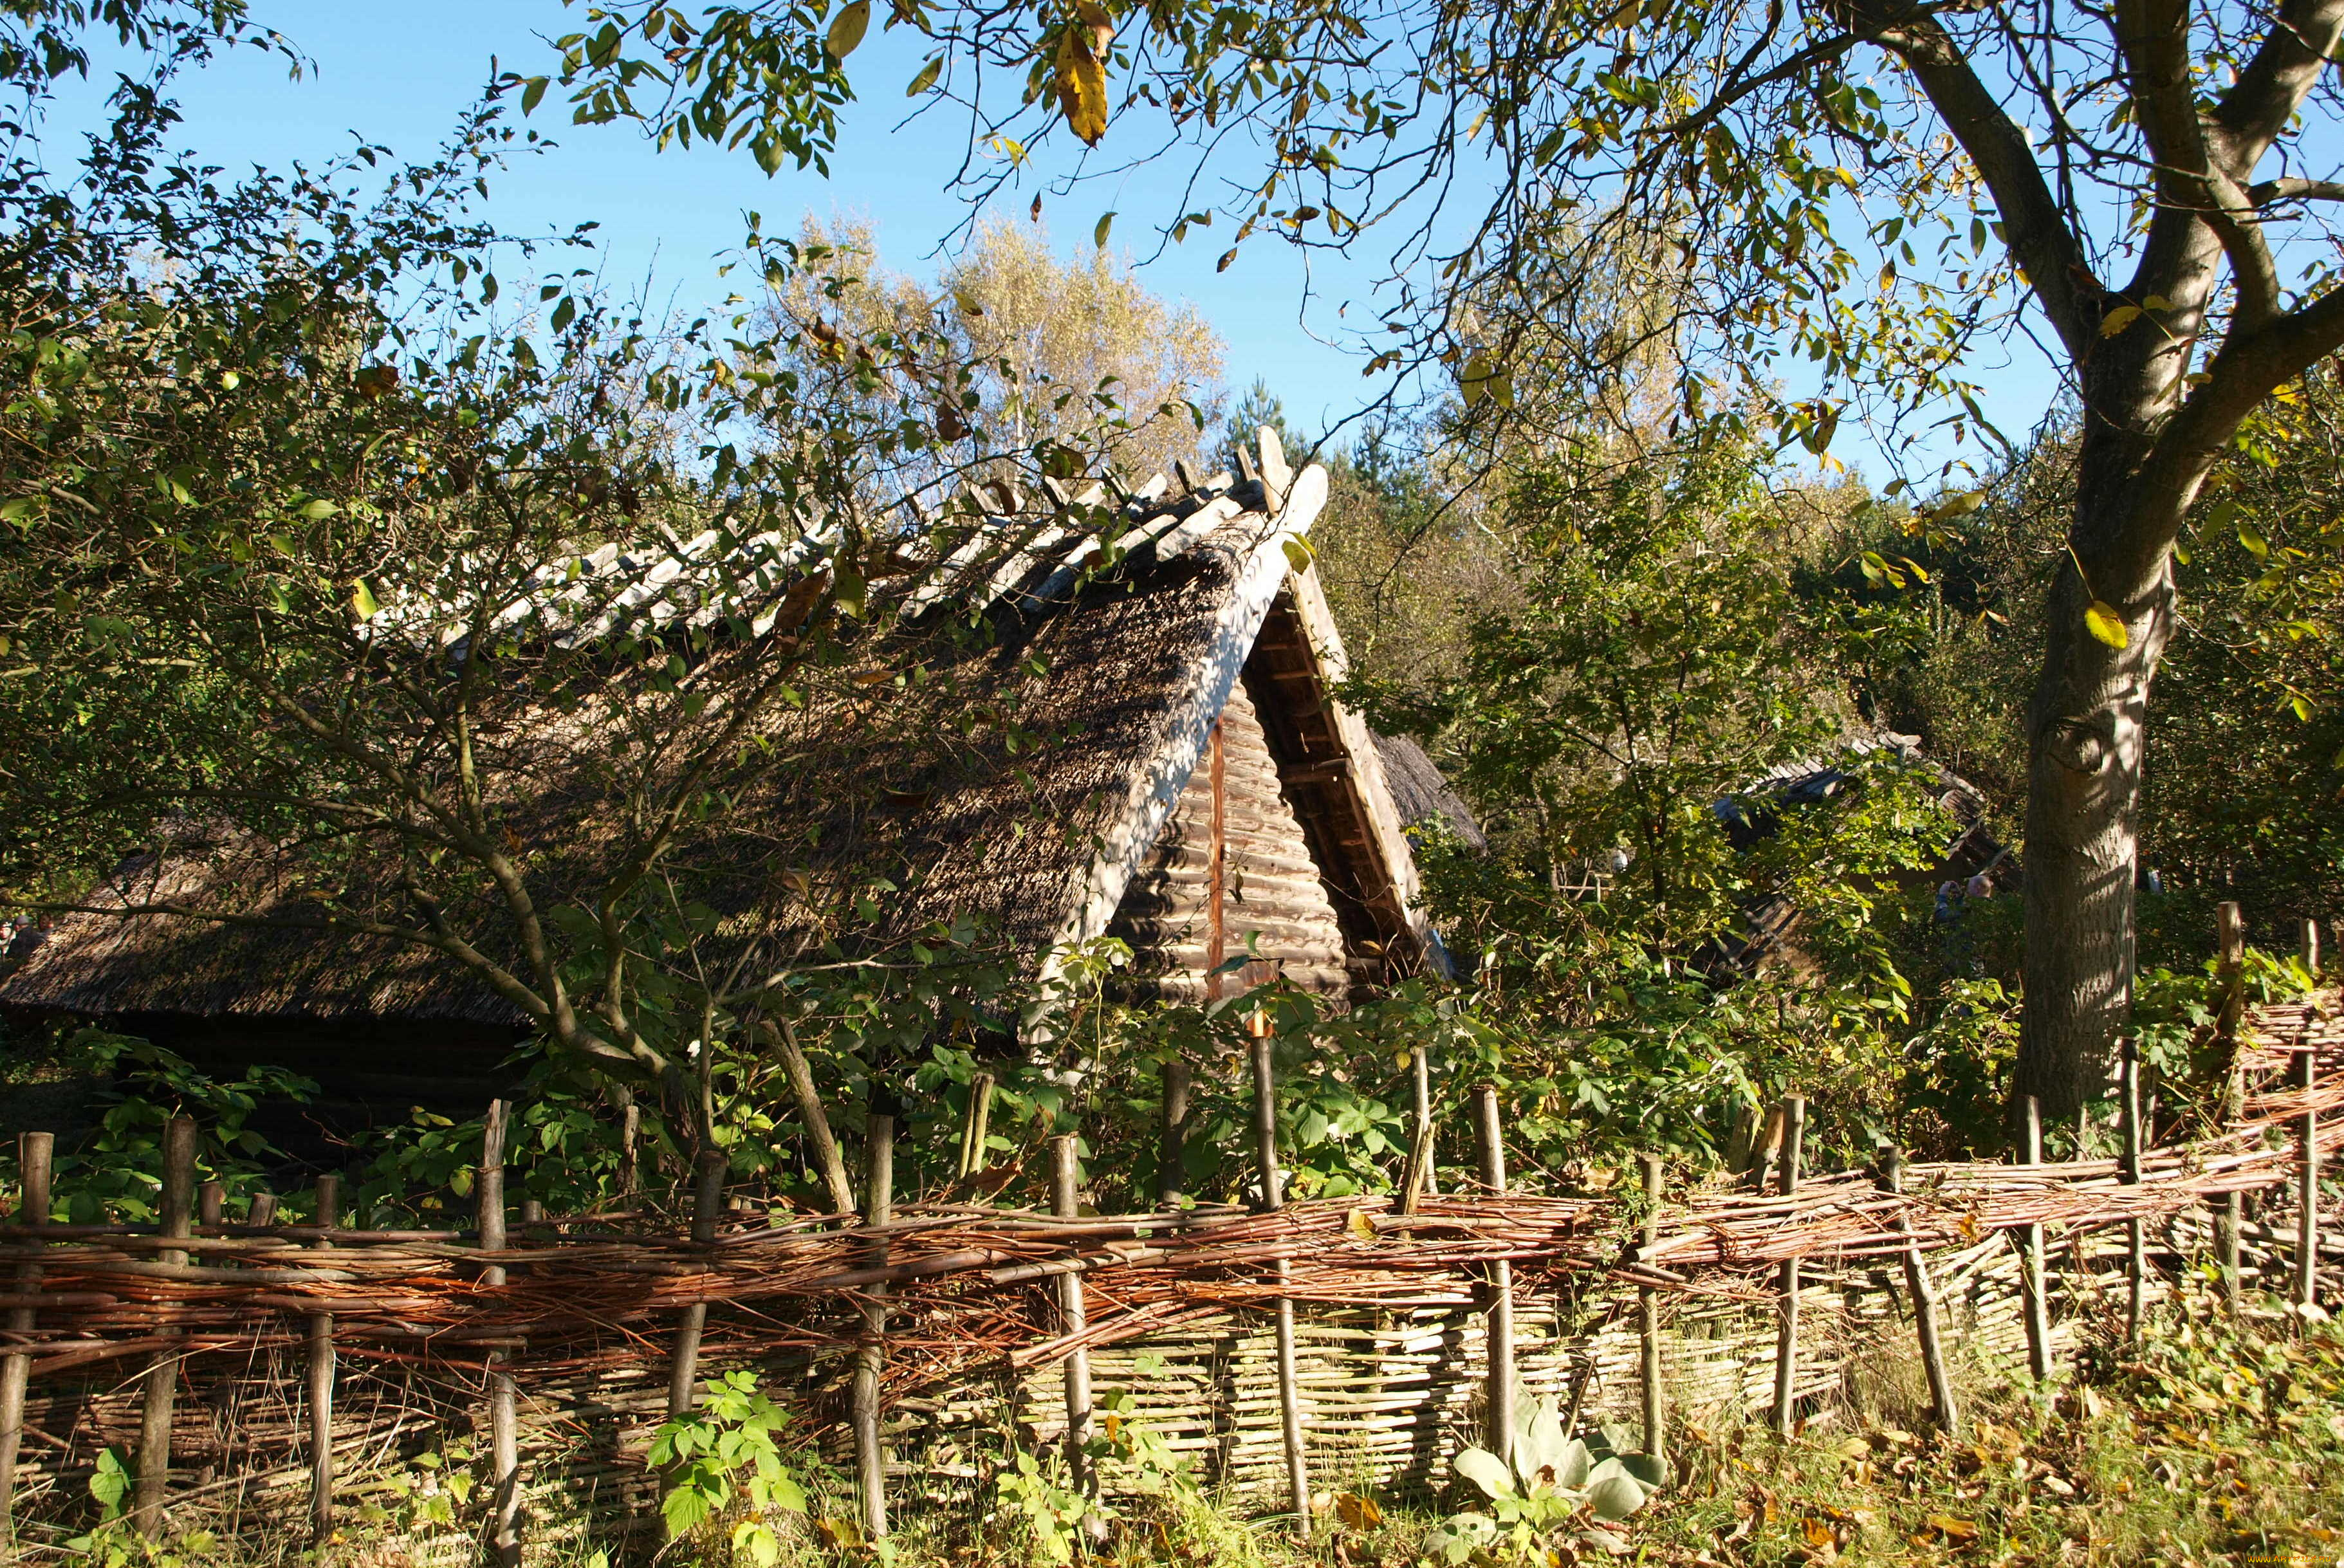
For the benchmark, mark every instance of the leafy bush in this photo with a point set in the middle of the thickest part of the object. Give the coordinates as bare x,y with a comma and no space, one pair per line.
724,1458
1556,1483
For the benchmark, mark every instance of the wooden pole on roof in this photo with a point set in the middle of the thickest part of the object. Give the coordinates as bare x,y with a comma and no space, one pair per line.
683,1361
34,1154
1786,1339
2034,1295
1498,1429
1065,1170
1273,1198
320,1344
504,1414
162,1372
870,1355
2136,1229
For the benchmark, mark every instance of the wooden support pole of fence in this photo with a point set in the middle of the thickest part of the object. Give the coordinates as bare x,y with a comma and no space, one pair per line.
1786,1339
1648,1304
320,1348
683,1361
2128,1171
1924,1291
630,1131
2307,946
263,1209
976,1126
2231,957
211,1204
1498,1429
1172,1129
1273,1198
504,1413
1065,1176
870,1355
2307,1196
2034,1296
36,1152
178,1216
1416,1171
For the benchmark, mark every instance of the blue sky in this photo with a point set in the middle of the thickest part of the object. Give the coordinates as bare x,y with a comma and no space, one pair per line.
399,75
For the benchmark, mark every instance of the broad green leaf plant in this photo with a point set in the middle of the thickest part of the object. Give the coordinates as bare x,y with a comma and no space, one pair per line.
726,1457
1555,1488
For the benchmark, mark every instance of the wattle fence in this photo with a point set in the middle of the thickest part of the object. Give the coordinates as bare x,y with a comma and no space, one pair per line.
1293,1348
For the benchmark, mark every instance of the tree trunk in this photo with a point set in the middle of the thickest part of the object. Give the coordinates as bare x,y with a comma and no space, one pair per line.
2086,737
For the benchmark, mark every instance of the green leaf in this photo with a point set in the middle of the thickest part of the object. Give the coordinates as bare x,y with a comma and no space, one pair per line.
926,78
531,93
2257,545
2118,319
1299,555
1612,1492
319,510
846,32
362,601
1485,1471
1098,235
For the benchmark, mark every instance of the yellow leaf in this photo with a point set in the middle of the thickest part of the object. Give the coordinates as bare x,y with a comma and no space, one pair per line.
1358,1223
1082,85
2104,622
1358,1512
1960,1531
846,31
2118,319
362,603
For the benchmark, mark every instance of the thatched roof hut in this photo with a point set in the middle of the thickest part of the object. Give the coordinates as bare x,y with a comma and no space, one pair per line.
1182,778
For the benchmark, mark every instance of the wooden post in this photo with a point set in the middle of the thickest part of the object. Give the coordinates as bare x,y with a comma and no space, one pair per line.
631,1131
320,1344
1065,1172
211,1204
1648,1304
683,1361
1273,1198
1925,1305
163,1371
2230,954
1786,1341
974,1128
2307,1198
870,1355
2034,1299
36,1152
2136,1229
263,1209
1498,1429
1416,1171
2306,948
504,1415
1172,1130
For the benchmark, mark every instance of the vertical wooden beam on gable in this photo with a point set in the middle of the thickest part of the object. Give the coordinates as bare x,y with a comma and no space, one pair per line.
1217,950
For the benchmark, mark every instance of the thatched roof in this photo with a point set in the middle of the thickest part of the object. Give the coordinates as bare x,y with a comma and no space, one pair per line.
1095,692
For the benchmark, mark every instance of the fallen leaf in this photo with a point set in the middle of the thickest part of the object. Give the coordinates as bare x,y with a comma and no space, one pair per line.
1960,1531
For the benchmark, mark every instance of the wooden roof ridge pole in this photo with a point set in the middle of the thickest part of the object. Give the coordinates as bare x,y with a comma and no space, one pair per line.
1155,787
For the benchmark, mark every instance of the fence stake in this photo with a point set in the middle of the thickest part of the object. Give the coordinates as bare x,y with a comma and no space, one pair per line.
1172,1130
683,1361
34,1153
1925,1304
2136,1229
320,1348
162,1372
1498,1427
1648,1304
1416,1171
1786,1342
2306,948
2306,1206
2033,1298
1273,1198
1065,1171
263,1209
211,1204
871,1356
974,1128
504,1416
631,1128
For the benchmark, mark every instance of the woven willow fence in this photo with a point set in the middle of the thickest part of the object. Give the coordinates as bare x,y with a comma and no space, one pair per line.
1291,1349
